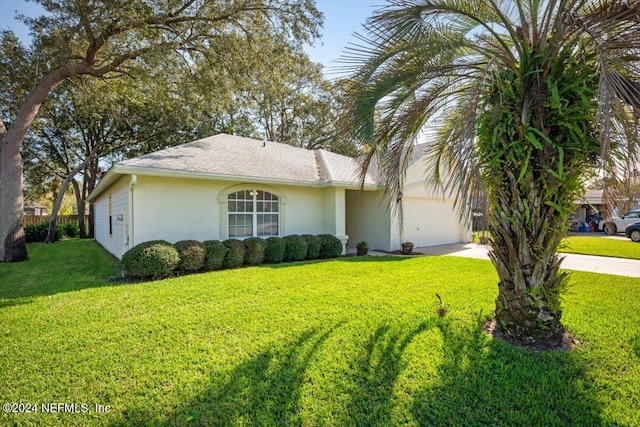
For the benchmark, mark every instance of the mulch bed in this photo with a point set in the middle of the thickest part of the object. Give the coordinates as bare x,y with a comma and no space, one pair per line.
399,252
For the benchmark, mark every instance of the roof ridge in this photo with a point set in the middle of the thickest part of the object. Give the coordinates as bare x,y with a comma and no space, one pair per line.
320,165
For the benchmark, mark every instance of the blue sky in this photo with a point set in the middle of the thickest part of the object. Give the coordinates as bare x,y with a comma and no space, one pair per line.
341,19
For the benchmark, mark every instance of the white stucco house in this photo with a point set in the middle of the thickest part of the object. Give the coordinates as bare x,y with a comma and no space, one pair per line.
227,186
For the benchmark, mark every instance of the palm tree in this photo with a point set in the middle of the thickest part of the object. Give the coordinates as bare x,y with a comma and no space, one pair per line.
522,99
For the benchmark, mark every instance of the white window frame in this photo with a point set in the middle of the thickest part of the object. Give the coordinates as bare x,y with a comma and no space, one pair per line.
253,192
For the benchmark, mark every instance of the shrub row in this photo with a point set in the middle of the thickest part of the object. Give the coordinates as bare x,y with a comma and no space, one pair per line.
38,233
158,258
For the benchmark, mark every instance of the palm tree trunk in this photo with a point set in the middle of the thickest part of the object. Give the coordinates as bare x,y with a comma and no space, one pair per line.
526,234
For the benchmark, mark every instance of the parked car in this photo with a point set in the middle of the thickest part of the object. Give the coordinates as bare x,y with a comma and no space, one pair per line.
618,224
633,232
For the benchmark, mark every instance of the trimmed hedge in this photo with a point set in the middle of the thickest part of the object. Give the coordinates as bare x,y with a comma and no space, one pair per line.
296,248
214,257
274,250
313,246
154,259
254,251
71,230
192,254
158,258
38,233
330,246
235,253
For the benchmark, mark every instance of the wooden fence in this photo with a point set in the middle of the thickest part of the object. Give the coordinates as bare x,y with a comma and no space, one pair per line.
60,220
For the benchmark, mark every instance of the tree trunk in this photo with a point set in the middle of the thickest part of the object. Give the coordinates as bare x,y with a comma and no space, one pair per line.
89,184
92,222
525,236
51,235
80,205
13,246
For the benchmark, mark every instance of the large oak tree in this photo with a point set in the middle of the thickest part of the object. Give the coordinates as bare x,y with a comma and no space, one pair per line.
110,37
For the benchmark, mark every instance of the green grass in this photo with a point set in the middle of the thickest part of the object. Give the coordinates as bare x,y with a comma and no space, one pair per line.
64,266
602,246
353,341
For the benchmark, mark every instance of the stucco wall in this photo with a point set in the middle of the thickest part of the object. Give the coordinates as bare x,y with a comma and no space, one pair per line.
115,242
176,208
429,218
368,219
429,215
429,222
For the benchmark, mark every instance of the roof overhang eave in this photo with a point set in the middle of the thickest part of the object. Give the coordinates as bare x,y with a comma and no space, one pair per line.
119,170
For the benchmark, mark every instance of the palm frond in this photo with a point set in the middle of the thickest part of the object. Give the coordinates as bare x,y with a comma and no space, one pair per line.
428,63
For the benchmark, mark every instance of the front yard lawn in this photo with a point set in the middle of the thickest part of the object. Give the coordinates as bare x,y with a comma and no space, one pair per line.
601,246
353,341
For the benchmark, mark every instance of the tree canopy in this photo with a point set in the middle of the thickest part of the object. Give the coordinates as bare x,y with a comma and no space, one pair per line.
111,38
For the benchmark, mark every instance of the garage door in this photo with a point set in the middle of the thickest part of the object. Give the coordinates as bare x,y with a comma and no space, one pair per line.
430,222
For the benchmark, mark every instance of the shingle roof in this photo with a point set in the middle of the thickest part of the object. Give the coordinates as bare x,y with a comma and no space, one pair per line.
419,151
230,156
233,157
338,168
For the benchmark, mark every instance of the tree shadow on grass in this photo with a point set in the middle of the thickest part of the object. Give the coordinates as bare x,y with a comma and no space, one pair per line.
479,381
263,391
488,382
371,403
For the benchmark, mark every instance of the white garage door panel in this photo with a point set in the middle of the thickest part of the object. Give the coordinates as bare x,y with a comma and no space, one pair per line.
430,222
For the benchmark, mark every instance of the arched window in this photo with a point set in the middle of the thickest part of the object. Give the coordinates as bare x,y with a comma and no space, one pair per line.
253,213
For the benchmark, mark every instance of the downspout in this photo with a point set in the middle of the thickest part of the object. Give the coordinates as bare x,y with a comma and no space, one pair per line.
400,216
130,236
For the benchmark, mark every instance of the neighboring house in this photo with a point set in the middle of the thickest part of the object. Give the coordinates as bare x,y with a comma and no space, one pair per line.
34,208
589,207
227,186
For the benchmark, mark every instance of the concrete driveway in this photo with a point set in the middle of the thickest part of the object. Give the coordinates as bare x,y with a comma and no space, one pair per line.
594,264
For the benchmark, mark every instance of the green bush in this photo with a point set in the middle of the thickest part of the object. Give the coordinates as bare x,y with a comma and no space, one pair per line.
192,254
214,257
254,251
330,246
235,253
72,230
154,259
313,246
296,248
38,233
274,250
35,233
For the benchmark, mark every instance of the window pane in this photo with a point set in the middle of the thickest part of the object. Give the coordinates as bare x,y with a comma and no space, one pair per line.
263,195
267,225
242,210
240,225
240,195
